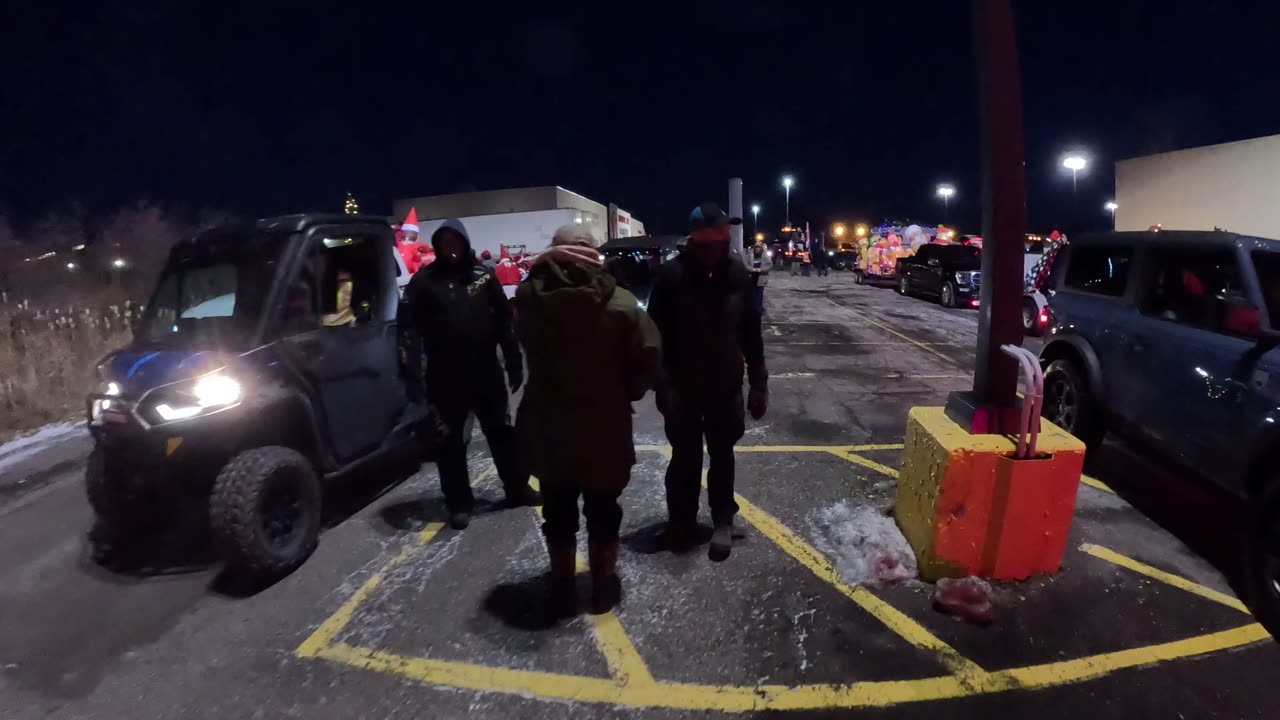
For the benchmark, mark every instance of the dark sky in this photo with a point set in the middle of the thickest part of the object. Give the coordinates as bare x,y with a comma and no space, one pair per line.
266,108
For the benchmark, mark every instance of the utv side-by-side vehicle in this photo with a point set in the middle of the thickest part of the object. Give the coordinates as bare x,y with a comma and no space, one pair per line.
267,364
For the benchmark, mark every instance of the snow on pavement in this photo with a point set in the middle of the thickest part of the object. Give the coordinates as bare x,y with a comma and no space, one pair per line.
19,449
864,544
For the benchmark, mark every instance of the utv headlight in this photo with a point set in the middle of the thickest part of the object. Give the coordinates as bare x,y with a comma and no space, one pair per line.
201,396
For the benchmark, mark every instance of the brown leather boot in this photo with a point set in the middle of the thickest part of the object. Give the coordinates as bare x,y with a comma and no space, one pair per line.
564,561
606,588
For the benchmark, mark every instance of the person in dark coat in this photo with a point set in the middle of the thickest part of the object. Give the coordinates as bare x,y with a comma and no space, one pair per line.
703,305
592,352
462,316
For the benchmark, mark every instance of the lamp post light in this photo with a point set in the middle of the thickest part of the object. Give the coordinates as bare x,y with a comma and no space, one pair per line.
1111,207
787,182
1074,162
755,216
946,192
118,263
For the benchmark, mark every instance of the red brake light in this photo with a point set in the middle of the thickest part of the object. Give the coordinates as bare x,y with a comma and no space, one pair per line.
1044,317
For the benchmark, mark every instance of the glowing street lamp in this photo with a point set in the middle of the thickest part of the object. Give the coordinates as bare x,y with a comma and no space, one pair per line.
838,230
1074,162
787,182
118,263
946,192
755,215
1111,207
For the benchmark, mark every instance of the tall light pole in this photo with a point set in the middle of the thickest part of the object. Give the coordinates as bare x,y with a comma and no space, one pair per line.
1111,207
787,182
755,216
945,192
1074,162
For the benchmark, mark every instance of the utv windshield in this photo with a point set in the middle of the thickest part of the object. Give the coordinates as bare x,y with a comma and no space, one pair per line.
212,292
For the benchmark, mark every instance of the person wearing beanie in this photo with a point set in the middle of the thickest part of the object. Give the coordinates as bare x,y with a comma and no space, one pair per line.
592,352
463,318
704,306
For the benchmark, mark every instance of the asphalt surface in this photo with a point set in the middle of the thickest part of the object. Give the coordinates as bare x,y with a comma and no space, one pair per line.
394,617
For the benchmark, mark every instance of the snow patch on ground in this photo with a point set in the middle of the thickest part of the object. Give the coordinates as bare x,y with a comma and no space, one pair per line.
864,544
19,449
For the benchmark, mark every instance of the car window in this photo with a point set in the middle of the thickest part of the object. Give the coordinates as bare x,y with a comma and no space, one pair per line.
1101,269
1268,266
1200,289
925,252
958,253
337,286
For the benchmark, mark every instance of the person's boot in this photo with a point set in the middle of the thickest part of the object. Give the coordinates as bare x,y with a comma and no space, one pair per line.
524,496
606,588
721,542
564,561
459,520
678,536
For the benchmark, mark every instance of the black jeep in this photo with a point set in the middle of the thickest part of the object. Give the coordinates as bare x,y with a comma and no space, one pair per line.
266,364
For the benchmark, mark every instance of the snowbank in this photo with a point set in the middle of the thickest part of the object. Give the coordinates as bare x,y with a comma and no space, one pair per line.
864,544
19,449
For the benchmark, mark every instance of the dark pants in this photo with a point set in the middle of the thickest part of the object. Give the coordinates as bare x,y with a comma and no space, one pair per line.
560,512
485,395
822,270
721,421
760,298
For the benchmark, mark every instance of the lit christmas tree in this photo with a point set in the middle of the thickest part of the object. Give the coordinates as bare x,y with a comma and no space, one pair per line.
350,206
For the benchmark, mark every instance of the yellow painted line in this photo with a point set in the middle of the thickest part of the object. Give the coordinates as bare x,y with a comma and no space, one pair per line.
1181,583
896,333
1096,484
894,619
1069,671
329,629
869,464
884,446
620,654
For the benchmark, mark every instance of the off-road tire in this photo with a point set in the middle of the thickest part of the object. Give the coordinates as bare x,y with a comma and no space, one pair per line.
1085,421
116,506
947,297
236,511
1262,570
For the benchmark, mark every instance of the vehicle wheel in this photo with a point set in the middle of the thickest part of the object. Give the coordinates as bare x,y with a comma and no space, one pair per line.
119,508
1069,404
904,287
1263,559
948,296
1030,317
265,511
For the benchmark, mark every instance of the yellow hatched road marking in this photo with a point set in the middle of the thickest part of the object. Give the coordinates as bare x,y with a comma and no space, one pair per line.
1096,484
1181,583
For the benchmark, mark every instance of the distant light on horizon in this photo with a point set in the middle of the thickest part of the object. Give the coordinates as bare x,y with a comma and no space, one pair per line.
118,263
788,181
1111,206
946,191
1074,162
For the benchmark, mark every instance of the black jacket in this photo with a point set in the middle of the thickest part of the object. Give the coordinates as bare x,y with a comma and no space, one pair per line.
710,327
460,313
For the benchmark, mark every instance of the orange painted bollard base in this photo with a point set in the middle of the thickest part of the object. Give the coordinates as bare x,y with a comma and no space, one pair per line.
968,508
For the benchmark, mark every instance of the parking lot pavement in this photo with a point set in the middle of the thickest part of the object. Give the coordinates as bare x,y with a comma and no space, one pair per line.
398,616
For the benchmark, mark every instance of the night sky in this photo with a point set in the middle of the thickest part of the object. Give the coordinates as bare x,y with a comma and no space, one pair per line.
264,108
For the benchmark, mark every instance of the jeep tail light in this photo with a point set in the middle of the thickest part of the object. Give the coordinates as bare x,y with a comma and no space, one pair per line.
1044,317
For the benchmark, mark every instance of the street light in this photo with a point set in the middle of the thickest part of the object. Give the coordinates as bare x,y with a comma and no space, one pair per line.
1074,162
787,182
945,192
118,263
71,266
755,215
860,230
838,230
1111,207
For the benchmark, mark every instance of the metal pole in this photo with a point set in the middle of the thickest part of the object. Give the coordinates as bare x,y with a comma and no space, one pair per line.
788,188
991,406
735,210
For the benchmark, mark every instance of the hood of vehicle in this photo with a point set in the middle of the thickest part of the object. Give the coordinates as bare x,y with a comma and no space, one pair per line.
137,371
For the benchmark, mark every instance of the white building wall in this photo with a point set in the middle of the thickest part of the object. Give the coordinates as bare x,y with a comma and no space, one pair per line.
533,230
1234,186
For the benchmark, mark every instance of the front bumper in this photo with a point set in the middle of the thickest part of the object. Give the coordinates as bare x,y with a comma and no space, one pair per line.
183,451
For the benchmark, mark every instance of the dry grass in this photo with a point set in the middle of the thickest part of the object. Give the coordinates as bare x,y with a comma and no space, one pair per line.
48,357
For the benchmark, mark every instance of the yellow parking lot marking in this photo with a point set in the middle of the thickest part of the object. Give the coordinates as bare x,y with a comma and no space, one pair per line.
923,346
891,617
1181,583
631,684
864,462
1096,484
620,654
329,629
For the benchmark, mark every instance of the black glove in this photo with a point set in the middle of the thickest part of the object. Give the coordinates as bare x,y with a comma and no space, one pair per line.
515,377
758,401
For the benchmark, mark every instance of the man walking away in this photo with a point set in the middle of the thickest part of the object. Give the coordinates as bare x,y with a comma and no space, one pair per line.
821,261
592,352
759,258
703,306
460,312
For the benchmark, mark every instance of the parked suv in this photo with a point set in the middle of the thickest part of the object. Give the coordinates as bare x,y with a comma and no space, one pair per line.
268,364
1170,338
951,273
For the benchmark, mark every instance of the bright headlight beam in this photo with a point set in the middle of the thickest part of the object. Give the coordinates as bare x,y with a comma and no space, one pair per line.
216,390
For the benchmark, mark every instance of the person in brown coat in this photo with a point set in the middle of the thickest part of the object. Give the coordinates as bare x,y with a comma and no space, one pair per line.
591,352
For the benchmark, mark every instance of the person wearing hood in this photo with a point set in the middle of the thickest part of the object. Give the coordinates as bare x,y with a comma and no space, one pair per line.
461,314
703,304
592,352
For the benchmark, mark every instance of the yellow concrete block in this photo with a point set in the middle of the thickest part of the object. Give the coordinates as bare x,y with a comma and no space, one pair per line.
968,508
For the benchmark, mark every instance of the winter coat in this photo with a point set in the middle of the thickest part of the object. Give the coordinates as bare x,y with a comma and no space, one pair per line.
710,327
758,257
460,312
592,352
